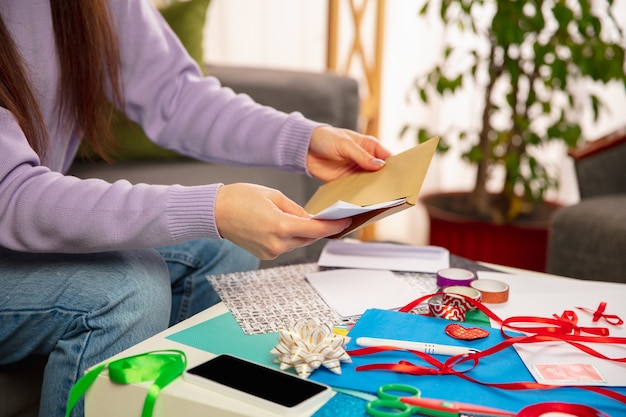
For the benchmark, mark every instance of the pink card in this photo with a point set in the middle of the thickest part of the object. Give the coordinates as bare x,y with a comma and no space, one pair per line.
564,373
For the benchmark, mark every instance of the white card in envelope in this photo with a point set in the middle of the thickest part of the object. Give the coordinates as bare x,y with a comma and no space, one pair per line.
352,291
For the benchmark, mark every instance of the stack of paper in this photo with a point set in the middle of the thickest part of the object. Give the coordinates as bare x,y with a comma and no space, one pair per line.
388,256
352,291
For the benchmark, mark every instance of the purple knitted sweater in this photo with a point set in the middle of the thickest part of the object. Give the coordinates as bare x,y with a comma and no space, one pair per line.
43,210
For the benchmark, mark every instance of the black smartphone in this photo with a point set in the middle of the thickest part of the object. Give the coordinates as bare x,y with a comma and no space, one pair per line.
263,386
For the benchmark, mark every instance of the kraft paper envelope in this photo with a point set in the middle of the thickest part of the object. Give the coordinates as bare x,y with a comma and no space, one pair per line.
401,177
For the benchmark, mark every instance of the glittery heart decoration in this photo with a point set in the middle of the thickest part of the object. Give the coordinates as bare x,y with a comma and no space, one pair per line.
465,333
307,346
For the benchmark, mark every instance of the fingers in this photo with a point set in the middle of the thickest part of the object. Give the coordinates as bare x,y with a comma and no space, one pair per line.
373,153
294,228
334,153
299,224
265,222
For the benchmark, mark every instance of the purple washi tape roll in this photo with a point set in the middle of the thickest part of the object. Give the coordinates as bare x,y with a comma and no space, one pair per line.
454,276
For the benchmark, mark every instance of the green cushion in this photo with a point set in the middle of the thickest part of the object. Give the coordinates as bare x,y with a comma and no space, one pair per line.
187,20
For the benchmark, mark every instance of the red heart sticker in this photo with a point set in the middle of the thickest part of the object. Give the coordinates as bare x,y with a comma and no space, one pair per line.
465,333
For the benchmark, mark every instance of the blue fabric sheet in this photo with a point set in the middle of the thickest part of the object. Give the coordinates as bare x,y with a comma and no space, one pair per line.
504,366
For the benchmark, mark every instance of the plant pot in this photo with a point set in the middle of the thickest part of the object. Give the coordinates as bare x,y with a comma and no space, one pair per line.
521,244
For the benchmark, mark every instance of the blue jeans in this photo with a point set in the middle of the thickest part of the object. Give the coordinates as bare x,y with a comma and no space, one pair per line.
81,309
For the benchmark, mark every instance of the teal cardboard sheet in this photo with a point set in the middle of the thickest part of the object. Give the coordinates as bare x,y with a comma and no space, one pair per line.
222,334
504,366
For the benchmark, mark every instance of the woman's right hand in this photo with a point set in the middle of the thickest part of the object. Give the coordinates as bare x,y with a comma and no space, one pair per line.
265,222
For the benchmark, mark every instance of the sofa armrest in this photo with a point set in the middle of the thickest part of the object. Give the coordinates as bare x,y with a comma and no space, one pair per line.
588,240
323,97
599,165
600,145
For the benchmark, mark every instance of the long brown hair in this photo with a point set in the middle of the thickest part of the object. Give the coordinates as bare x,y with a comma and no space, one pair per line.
84,26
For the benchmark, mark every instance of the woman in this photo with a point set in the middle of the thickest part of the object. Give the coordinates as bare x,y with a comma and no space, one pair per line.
89,268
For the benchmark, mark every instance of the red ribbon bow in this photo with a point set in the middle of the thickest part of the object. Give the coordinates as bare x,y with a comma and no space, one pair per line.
599,314
570,321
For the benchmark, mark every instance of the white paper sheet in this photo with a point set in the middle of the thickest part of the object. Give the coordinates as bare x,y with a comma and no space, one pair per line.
349,292
341,209
385,256
544,296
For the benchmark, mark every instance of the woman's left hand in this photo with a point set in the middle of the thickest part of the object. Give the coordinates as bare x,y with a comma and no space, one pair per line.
335,152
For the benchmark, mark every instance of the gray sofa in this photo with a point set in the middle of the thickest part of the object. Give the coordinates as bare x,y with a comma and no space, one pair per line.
588,240
323,97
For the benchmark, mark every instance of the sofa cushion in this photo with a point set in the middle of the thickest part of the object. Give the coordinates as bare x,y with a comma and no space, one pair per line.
588,240
187,19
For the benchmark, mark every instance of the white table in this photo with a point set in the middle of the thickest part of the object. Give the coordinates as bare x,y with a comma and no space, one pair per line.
180,398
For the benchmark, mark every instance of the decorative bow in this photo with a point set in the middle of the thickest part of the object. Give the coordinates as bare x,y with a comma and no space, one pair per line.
307,346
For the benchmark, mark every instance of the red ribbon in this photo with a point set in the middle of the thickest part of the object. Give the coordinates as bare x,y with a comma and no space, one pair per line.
579,410
562,328
599,314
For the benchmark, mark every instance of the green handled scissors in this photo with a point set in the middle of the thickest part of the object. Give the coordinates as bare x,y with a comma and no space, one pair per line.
399,400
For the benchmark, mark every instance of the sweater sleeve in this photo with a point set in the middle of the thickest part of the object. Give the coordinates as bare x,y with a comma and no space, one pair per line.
46,211
184,111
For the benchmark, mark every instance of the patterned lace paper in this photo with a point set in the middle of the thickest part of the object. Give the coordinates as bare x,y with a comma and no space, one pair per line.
266,300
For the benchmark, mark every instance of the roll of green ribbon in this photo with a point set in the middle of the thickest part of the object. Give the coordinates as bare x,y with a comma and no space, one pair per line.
160,366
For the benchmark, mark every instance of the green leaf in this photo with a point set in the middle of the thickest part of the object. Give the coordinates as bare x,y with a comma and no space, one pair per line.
404,130
423,96
444,10
422,136
533,138
474,154
511,163
424,9
595,104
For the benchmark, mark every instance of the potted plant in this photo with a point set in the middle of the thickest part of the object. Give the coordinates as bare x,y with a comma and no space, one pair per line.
529,62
